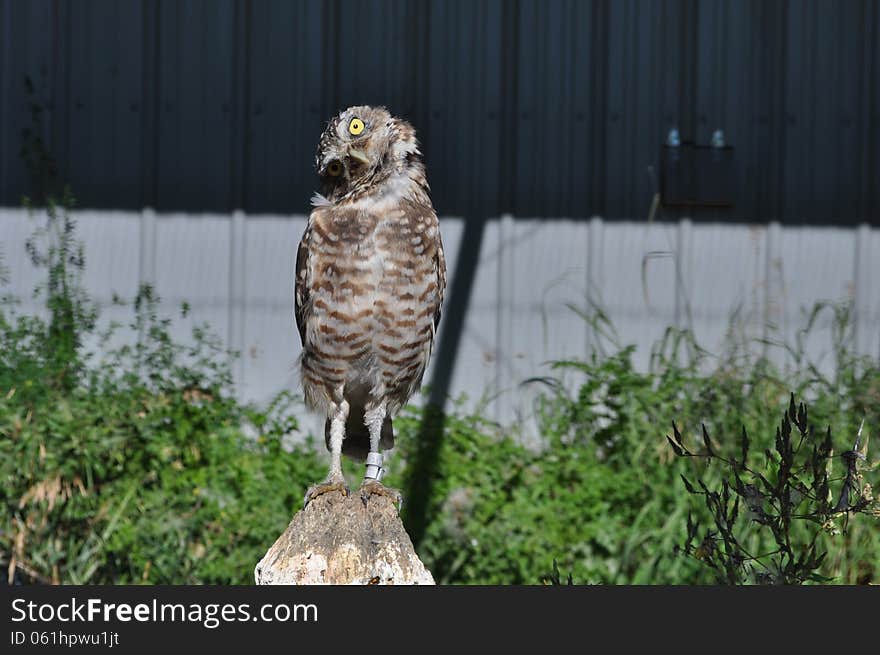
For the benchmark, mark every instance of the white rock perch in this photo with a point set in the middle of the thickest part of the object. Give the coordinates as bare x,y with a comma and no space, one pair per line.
344,540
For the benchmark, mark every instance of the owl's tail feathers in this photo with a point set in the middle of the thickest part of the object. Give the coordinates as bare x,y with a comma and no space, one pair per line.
356,444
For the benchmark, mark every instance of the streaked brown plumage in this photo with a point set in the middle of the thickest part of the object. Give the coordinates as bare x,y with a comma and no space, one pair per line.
370,277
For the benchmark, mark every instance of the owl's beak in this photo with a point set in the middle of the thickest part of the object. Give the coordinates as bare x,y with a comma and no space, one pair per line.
359,155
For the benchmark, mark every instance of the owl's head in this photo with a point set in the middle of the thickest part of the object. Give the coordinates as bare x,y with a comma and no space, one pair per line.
363,147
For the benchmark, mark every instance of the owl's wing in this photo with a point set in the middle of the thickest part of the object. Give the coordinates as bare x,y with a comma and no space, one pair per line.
302,284
440,267
426,217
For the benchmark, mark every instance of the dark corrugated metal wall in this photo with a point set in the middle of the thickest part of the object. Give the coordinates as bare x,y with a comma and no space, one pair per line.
538,108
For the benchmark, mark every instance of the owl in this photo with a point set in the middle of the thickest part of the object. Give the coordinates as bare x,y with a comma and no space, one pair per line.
370,279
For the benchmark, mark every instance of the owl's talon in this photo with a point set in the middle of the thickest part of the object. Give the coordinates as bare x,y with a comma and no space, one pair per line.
325,488
371,487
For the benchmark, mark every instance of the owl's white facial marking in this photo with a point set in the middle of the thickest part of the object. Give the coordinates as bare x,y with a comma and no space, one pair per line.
319,201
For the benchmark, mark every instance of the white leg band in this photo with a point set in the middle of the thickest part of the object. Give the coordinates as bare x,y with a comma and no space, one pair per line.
374,467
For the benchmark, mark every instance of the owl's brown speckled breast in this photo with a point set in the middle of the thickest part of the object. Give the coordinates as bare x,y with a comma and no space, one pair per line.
375,295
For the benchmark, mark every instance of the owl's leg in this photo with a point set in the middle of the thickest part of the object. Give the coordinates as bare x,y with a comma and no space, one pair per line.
337,434
374,419
335,479
372,484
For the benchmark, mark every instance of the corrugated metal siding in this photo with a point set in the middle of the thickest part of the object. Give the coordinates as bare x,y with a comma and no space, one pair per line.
538,108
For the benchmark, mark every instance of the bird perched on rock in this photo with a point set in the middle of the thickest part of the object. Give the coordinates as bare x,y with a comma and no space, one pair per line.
370,278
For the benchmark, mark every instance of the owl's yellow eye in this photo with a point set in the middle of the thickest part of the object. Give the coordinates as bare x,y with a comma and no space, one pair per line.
356,126
334,169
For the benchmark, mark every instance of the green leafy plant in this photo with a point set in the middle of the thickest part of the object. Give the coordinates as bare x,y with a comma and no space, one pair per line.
139,466
602,494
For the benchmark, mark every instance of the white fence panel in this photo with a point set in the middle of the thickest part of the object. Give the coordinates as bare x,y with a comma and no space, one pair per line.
534,276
